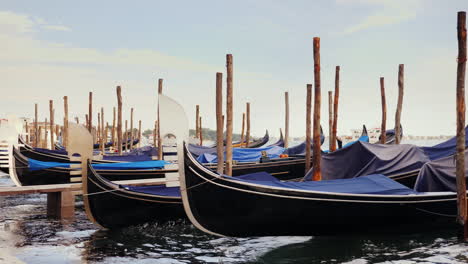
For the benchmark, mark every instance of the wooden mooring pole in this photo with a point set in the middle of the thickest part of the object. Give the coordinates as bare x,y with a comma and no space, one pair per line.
36,127
200,131
45,134
160,149
247,133
113,130
155,132
65,122
335,107
131,128
286,120
330,119
52,127
219,122
308,127
401,73
197,118
317,153
90,112
229,110
119,119
103,134
383,127
462,218
139,133
243,130
126,135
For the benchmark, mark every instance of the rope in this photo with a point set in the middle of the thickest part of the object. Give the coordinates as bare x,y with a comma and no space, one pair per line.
434,213
107,191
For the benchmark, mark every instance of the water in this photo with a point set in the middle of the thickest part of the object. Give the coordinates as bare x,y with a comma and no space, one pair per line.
27,236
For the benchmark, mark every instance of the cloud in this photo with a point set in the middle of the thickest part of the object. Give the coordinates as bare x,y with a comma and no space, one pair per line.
56,28
12,23
385,13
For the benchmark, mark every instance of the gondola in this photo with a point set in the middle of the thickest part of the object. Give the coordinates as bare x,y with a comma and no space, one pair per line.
262,206
364,137
390,135
280,142
97,146
254,144
23,175
116,206
112,206
62,155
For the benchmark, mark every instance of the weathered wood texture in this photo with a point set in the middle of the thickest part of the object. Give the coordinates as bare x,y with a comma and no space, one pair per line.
90,112
36,127
131,128
119,119
383,127
197,118
247,133
219,122
330,120
160,149
335,107
52,126
65,122
229,113
317,153
401,73
461,109
286,119
308,127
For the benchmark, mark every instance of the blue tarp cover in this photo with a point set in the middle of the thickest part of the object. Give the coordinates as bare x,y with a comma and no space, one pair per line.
362,158
300,149
138,154
361,138
160,190
439,175
444,149
197,150
154,164
370,184
244,154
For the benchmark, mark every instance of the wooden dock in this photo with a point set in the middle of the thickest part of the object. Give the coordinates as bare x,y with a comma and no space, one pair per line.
61,197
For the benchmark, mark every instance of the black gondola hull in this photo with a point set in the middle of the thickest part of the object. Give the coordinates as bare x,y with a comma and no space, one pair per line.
114,207
227,207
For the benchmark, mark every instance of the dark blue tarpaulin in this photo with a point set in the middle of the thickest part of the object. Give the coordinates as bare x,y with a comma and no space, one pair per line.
370,184
362,158
444,149
439,175
244,154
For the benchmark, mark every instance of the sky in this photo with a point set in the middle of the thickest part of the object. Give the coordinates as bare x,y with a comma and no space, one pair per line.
55,48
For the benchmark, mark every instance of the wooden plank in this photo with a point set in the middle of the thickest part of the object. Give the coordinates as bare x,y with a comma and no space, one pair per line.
38,189
142,182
